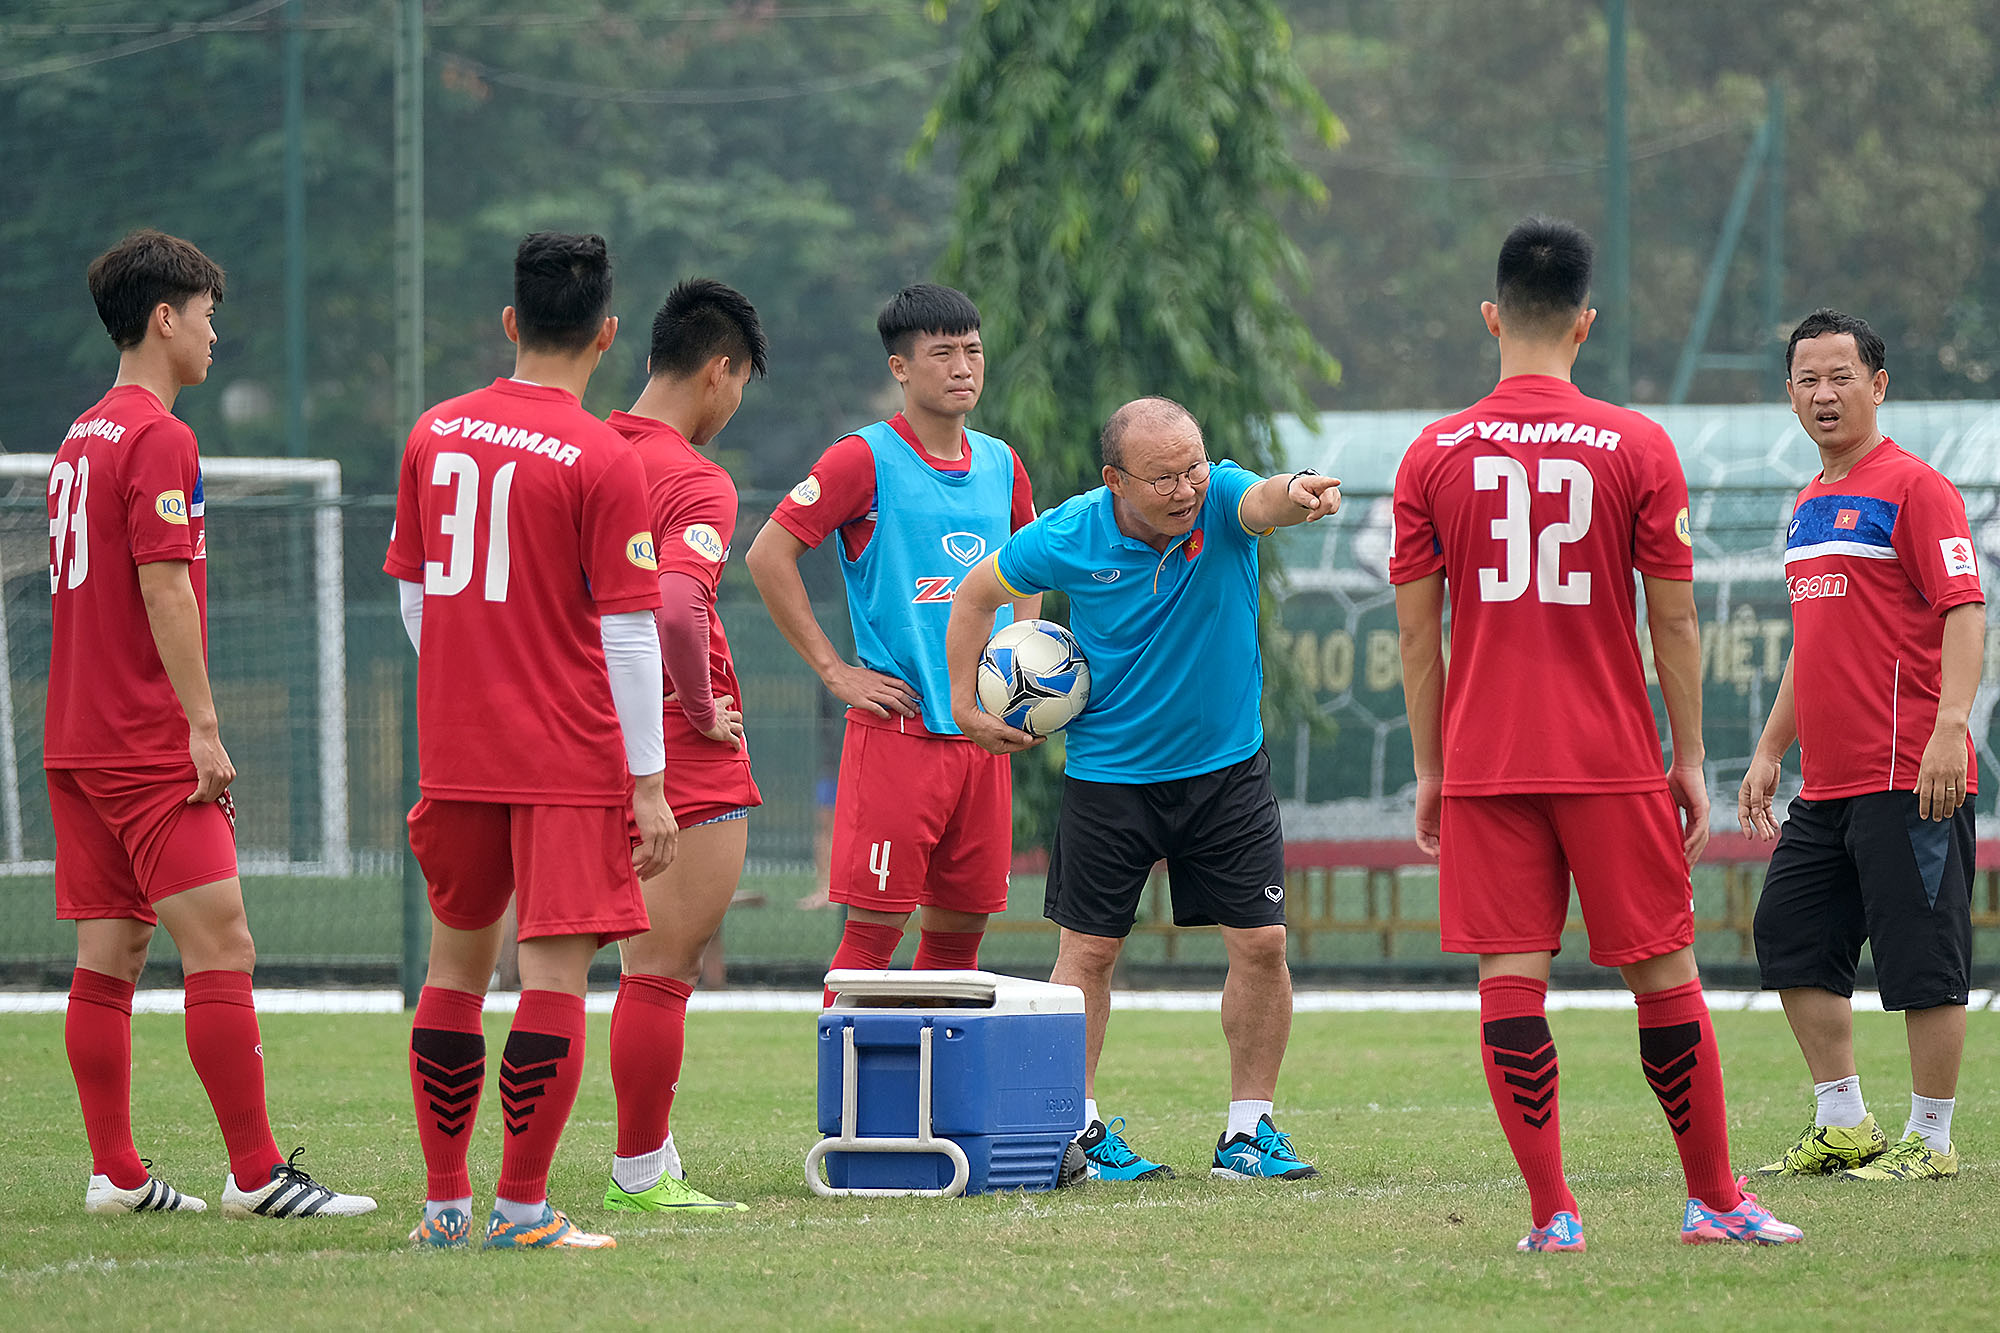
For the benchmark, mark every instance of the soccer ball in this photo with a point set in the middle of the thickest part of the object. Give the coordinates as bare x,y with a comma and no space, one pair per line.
1033,677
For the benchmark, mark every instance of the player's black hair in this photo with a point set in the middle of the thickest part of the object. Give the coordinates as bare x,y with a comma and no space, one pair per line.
562,289
700,320
1825,320
924,308
132,278
1543,278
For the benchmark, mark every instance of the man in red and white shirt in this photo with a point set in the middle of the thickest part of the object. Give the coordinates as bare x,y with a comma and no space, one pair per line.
707,342
1536,755
1889,628
138,776
527,576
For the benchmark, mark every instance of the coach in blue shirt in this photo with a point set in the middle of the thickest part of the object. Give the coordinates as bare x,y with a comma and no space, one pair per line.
1167,762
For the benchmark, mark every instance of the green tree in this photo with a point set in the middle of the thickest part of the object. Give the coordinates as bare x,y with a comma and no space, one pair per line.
1119,162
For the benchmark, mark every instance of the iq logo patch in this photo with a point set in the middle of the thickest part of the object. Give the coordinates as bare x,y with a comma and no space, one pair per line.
807,491
639,550
1682,530
172,506
705,542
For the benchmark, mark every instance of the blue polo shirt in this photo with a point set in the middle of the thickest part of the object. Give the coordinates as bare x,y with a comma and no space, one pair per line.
1176,679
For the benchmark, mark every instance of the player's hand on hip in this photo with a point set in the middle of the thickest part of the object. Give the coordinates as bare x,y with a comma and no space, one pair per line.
1753,798
1318,496
658,833
989,733
1688,785
212,770
884,696
1941,776
1430,815
728,726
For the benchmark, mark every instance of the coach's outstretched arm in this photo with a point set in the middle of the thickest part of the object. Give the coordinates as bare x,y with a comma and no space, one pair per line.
1420,635
979,595
1675,627
1287,499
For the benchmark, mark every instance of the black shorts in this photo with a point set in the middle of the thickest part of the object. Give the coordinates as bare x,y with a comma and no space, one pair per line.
1218,833
1867,868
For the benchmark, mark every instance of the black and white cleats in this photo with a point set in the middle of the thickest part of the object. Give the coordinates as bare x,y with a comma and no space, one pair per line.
155,1196
291,1193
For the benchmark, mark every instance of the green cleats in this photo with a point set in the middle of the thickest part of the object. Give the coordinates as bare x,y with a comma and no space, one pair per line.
669,1196
1910,1159
1825,1150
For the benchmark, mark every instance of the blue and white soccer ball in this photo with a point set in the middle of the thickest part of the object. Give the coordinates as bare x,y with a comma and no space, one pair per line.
1033,677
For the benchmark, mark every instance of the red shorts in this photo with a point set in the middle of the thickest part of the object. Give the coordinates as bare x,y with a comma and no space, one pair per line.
126,838
567,867
921,821
1505,866
700,789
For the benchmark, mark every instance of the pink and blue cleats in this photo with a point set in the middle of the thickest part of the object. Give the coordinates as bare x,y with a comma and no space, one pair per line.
1563,1235
1749,1222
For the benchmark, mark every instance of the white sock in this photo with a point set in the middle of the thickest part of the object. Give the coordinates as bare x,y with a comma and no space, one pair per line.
1090,1116
674,1167
1840,1102
1243,1117
520,1214
636,1175
1931,1117
432,1207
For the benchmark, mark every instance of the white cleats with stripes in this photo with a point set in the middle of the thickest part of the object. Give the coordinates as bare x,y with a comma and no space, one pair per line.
155,1196
291,1193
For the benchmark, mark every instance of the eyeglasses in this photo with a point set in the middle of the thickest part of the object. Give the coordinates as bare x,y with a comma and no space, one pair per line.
1170,483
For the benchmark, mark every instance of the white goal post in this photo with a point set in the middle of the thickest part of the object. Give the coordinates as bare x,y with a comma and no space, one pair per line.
321,476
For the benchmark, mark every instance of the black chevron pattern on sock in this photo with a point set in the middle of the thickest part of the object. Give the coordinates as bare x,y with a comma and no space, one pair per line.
452,1066
1524,1047
1668,1055
526,1067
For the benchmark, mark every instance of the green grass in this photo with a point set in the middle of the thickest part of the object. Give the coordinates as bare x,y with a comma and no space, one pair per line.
1413,1224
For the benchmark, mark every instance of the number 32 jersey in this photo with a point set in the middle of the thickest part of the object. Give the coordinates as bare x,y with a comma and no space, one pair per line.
524,518
1540,504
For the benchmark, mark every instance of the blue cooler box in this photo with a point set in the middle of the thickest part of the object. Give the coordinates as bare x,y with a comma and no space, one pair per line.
1006,1076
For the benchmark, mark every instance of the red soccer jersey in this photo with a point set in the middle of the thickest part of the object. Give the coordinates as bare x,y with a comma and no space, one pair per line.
839,492
1872,563
125,491
524,517
692,502
1540,504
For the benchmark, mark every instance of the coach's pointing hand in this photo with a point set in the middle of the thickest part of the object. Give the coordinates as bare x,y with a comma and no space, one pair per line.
1318,496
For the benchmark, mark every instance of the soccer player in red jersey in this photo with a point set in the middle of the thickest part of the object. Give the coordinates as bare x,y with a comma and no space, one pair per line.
1536,754
528,584
1889,627
138,776
707,342
922,816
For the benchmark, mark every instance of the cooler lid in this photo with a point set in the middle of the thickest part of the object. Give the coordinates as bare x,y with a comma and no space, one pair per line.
981,992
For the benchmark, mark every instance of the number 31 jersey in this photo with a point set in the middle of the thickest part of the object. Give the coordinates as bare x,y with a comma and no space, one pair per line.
524,518
1540,504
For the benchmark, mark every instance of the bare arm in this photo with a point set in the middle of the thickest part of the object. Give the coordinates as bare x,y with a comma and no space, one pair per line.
175,619
1287,499
979,595
1676,630
773,562
1760,781
1941,777
1420,634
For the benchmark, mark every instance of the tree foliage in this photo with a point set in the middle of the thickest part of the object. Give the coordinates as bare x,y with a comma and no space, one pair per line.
1118,164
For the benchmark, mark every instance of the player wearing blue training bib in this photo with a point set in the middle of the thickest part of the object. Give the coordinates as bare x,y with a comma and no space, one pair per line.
1167,762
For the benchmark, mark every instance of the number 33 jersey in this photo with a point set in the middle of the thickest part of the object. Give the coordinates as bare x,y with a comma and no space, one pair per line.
1540,504
524,518
124,491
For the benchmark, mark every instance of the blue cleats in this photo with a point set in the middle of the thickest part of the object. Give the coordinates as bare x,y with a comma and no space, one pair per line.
1108,1157
1265,1155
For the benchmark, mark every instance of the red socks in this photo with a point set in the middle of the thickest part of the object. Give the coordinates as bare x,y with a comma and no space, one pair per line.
863,944
948,950
540,1072
98,1034
447,1070
1519,1056
1677,1051
228,1056
648,1036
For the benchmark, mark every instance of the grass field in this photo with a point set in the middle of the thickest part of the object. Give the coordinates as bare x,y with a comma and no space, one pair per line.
1412,1225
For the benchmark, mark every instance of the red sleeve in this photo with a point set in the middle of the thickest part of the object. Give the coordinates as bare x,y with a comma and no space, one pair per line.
694,521
1934,543
162,474
1662,544
839,490
617,537
1417,551
684,639
1024,495
405,560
